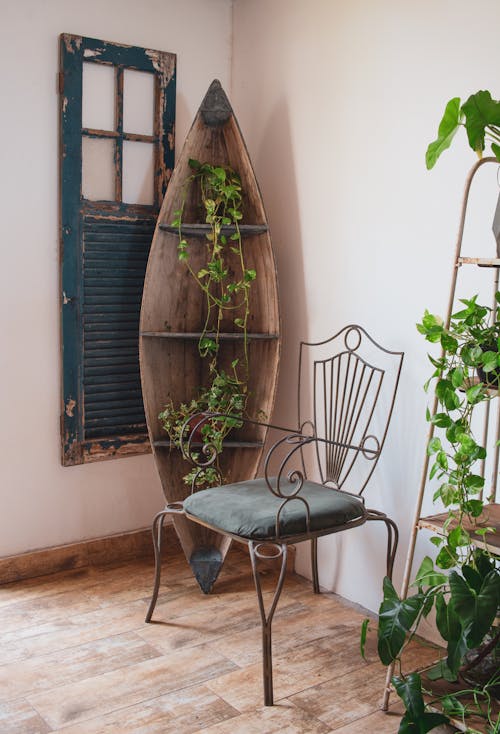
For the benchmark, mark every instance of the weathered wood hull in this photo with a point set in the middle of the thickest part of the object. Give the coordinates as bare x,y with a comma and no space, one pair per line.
172,315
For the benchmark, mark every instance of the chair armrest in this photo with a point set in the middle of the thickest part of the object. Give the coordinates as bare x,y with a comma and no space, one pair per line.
203,455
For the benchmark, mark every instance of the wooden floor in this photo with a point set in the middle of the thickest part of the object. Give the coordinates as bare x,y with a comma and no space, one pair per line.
77,657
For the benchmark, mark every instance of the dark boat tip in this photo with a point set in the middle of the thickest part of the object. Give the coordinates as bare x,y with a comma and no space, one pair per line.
206,564
215,108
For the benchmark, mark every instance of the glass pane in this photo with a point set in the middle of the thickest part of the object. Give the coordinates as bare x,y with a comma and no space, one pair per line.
138,102
98,96
98,169
138,172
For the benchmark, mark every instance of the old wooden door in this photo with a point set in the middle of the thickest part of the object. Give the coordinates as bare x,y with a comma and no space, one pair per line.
117,153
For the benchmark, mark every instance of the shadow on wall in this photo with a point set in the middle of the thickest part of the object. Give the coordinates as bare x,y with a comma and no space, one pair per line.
277,177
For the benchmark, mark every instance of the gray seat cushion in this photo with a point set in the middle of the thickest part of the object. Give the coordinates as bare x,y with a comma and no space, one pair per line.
248,509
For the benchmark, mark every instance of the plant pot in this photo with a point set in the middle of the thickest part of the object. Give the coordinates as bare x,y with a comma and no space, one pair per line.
490,379
480,668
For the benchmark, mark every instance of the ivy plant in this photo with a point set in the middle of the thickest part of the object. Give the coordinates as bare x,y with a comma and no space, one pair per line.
225,281
462,585
470,347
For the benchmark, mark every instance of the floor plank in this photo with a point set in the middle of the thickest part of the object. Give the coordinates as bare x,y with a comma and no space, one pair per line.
190,710
76,656
143,681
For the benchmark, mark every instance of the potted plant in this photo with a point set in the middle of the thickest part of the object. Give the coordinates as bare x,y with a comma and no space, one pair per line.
463,583
466,599
226,288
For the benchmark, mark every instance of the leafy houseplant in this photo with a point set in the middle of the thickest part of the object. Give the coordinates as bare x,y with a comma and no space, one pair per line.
470,345
225,282
463,584
466,600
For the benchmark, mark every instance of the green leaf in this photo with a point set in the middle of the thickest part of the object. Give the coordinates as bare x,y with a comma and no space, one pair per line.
496,150
409,689
446,558
362,642
441,420
477,609
457,377
490,361
250,275
416,719
239,322
475,394
428,576
480,111
434,446
450,629
446,132
473,507
474,481
194,164
440,670
458,537
448,342
396,617
447,493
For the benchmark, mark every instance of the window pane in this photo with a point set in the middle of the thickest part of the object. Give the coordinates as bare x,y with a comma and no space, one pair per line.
138,172
138,102
98,169
98,97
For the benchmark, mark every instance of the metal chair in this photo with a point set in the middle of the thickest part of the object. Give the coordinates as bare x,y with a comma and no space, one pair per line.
346,392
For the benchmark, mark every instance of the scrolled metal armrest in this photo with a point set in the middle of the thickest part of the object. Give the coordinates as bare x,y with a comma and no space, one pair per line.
297,440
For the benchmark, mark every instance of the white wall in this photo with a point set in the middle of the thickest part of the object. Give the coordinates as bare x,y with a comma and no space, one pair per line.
41,503
338,100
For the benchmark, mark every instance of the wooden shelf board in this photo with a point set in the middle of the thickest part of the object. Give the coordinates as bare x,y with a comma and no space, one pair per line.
491,519
442,688
200,230
195,335
482,262
226,444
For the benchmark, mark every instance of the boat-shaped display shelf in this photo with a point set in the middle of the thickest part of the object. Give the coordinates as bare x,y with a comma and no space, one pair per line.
173,313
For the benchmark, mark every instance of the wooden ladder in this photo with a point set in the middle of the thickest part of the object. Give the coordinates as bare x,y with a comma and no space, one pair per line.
436,522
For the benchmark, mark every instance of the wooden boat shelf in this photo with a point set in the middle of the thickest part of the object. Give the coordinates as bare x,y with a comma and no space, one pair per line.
174,312
195,335
200,230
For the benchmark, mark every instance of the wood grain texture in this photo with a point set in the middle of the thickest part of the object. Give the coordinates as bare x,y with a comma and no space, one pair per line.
76,656
171,369
119,547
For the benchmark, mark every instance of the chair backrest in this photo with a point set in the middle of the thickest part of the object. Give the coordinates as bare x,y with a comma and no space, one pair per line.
346,391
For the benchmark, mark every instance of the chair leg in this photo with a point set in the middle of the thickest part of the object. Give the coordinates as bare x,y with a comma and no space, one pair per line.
392,538
314,565
156,532
267,619
392,544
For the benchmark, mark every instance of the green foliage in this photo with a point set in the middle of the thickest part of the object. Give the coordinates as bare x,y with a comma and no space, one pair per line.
479,114
225,282
466,603
416,719
225,395
469,346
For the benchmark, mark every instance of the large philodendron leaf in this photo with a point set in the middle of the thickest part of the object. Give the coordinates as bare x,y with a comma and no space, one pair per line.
448,127
450,629
416,719
396,618
480,110
477,609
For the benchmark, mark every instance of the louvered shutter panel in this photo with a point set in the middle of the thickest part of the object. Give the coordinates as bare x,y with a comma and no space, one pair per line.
105,247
